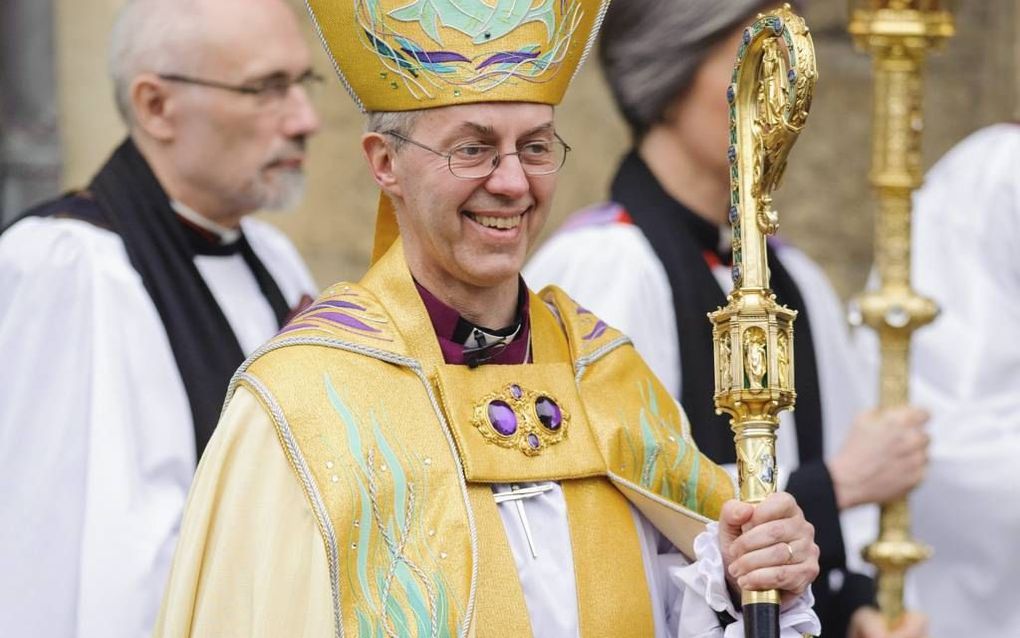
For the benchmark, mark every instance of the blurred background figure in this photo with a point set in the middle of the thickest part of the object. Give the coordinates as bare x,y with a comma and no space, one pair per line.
966,371
125,308
656,260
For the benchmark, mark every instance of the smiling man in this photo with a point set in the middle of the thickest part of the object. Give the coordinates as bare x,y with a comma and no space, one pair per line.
125,308
437,450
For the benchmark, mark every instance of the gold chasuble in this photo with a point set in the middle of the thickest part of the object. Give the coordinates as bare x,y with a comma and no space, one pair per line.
395,453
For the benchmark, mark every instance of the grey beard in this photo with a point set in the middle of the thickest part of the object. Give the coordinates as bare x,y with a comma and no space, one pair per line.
285,194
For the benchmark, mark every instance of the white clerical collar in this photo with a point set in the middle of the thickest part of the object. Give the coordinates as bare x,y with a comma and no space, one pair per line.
226,235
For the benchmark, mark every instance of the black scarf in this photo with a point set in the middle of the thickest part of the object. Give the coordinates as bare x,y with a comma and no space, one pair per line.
130,202
680,238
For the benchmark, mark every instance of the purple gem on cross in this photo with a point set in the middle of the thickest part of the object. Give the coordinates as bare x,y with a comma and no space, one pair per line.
731,153
777,26
731,93
734,215
791,75
736,274
533,441
516,392
747,36
502,418
548,413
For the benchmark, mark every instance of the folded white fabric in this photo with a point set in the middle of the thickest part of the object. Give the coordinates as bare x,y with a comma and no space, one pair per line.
704,584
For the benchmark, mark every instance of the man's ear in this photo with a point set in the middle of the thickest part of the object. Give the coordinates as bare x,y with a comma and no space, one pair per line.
153,107
381,157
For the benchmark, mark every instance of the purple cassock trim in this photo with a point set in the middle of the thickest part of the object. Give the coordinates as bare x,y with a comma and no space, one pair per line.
597,215
444,322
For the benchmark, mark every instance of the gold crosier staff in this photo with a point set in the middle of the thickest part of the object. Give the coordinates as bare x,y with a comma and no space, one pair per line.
769,97
898,33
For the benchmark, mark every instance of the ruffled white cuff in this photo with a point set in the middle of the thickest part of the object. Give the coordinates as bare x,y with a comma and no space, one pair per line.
705,593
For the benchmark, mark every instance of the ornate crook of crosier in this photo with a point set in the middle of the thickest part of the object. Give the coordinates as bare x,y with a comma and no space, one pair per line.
769,98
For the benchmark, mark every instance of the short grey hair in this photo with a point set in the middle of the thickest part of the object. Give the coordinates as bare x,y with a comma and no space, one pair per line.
155,36
651,49
393,121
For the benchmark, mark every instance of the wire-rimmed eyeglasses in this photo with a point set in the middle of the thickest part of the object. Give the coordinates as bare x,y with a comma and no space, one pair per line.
273,88
476,161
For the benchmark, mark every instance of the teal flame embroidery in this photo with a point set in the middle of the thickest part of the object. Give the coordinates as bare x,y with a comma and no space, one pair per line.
662,448
396,594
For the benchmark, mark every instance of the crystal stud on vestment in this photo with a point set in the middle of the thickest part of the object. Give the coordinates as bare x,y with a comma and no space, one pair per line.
548,413
502,418
522,419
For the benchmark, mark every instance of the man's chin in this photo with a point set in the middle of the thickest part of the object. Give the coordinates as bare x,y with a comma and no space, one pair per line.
283,192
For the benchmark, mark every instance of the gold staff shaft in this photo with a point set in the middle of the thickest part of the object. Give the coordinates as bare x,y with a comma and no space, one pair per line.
898,34
773,82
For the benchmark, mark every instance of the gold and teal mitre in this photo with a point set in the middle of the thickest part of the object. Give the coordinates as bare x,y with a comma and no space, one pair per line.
401,55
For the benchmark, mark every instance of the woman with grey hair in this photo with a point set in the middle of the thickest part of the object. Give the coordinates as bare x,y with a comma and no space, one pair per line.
655,260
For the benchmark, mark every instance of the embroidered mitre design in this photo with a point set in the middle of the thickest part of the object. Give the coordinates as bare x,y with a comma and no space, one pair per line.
398,55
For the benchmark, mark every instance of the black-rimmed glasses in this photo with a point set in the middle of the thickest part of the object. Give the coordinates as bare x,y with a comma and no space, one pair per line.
274,88
476,161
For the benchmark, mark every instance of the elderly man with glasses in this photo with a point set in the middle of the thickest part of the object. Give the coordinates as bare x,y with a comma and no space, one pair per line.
437,450
125,308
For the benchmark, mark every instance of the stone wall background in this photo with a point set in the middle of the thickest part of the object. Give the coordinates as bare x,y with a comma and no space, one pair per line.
825,205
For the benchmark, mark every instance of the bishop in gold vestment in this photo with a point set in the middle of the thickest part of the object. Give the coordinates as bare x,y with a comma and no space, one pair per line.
438,451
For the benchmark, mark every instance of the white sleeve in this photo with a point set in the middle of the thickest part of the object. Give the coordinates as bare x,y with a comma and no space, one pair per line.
96,443
46,358
612,270
699,591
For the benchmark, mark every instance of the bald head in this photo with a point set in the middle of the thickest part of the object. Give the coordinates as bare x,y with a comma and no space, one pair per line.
188,37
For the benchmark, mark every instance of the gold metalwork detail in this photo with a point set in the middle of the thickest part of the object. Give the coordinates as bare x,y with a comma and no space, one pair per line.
755,357
898,34
753,597
529,428
756,460
726,375
783,360
770,95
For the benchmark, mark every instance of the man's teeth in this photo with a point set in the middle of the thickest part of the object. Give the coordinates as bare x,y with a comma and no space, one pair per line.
502,223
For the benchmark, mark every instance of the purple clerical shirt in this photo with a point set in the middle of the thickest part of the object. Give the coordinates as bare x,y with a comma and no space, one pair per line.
445,320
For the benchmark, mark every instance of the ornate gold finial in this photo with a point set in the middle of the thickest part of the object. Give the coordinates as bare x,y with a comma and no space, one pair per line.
769,100
898,34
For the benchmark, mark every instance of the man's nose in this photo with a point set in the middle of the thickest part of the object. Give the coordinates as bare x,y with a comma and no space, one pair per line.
509,178
301,118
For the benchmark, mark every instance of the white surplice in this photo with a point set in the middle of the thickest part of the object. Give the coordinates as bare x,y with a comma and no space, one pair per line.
97,445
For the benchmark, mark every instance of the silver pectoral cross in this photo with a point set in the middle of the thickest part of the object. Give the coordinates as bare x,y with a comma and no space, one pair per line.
517,494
